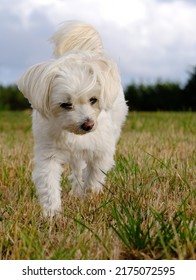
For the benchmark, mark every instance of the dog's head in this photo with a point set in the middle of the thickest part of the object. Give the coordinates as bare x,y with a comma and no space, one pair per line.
73,89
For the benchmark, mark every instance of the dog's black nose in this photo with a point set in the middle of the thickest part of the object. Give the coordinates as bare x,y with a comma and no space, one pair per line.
87,125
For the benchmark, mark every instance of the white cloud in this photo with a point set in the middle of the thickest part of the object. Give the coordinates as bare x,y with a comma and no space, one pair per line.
162,44
149,39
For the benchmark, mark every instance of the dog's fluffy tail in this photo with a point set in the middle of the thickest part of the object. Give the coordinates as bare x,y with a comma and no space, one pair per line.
76,35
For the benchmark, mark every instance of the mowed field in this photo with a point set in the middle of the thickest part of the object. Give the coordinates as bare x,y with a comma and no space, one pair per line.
147,211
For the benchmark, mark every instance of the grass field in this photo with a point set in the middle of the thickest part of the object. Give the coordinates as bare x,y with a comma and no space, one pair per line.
147,211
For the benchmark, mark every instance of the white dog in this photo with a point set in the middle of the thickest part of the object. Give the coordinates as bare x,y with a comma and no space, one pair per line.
78,110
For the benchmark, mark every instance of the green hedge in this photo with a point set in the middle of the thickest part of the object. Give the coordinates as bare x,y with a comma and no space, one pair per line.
12,99
163,96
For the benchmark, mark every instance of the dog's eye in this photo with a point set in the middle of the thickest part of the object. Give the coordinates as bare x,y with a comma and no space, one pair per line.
67,106
93,100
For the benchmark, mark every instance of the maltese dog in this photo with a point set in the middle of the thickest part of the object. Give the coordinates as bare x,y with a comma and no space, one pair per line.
78,111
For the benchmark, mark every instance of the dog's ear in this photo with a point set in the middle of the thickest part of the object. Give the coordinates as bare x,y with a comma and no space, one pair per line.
35,84
109,80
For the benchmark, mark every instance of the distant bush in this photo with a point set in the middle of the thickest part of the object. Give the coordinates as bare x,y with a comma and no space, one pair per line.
189,92
163,96
12,99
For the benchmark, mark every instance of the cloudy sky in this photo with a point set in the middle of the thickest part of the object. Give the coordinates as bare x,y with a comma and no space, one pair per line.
149,39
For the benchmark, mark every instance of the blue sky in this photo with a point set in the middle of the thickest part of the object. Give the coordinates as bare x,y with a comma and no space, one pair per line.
149,39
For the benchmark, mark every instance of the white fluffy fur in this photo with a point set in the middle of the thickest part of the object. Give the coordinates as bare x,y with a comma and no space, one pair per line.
85,79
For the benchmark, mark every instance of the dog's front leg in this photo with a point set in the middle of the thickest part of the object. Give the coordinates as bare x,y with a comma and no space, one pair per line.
47,178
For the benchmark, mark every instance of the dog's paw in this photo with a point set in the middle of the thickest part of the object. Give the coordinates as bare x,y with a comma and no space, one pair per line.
93,189
52,211
77,191
82,191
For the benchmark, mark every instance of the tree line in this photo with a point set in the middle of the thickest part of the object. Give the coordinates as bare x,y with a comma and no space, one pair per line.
12,99
163,96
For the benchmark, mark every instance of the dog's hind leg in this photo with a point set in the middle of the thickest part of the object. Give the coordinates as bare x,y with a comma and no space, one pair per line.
95,172
75,178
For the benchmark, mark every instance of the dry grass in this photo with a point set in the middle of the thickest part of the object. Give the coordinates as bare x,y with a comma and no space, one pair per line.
147,211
